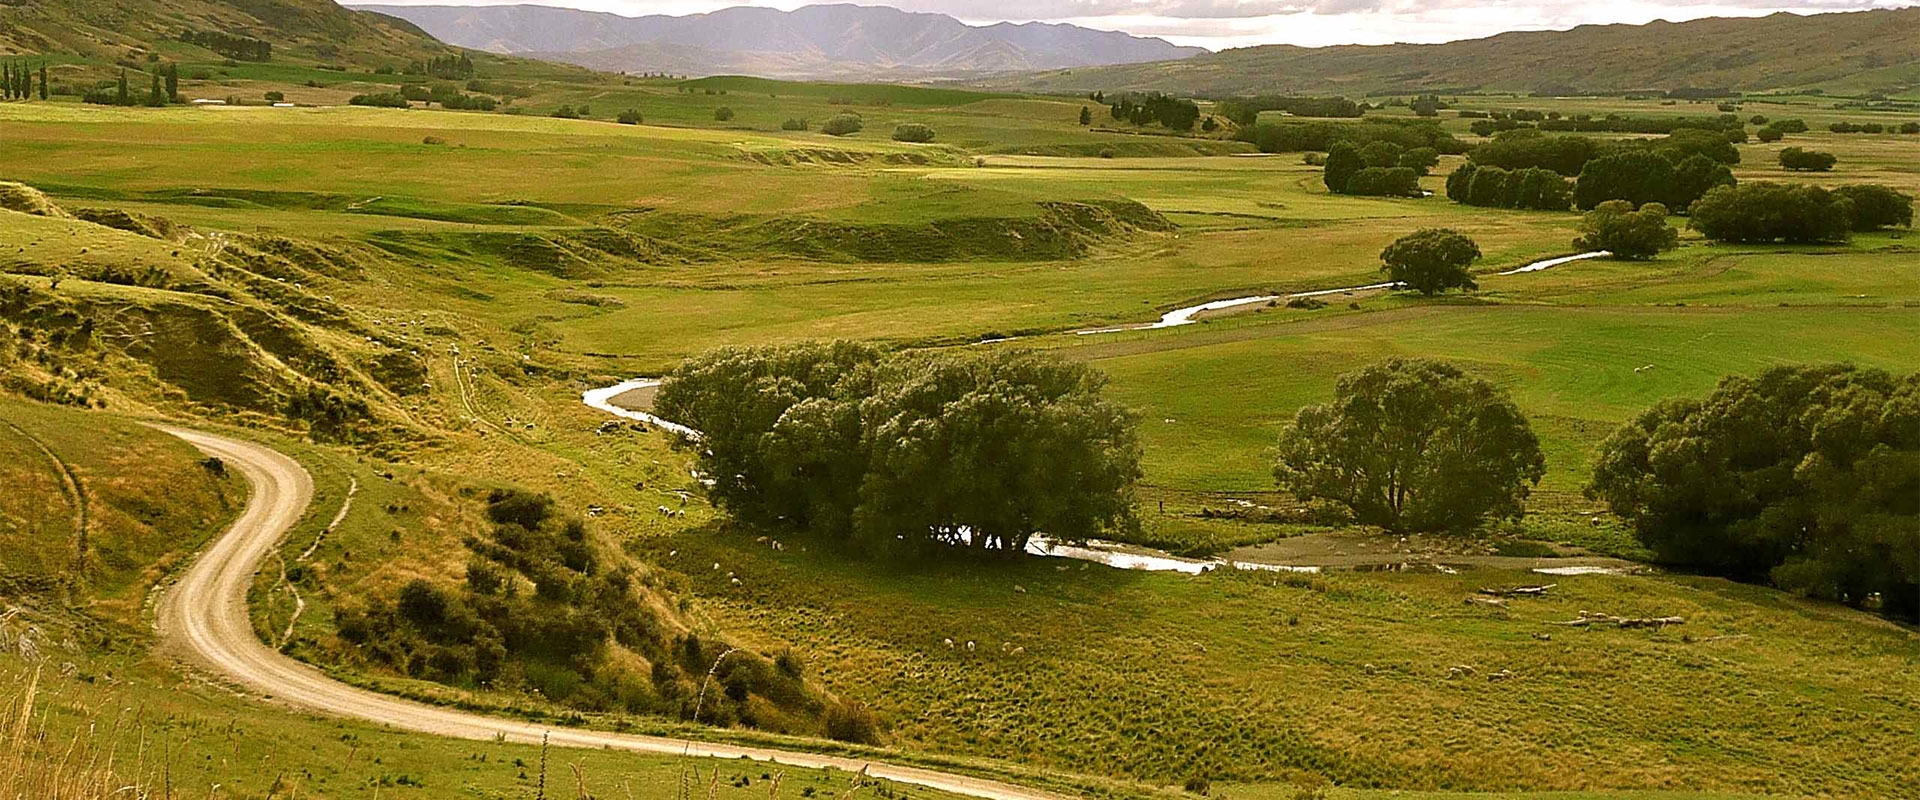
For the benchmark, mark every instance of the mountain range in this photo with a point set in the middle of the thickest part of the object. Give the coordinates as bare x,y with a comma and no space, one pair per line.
303,30
1854,52
824,41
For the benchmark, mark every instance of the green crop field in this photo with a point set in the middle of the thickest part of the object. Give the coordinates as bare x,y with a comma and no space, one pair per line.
465,276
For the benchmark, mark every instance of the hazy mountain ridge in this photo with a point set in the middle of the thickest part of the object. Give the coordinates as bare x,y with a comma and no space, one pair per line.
813,41
1859,51
316,30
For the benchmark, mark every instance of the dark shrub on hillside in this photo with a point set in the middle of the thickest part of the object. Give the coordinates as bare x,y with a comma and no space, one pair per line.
1875,206
723,114
843,125
1807,477
913,132
794,125
630,116
852,722
1799,160
1768,212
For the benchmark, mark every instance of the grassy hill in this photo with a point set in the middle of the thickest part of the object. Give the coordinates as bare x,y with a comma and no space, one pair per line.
1852,52
308,31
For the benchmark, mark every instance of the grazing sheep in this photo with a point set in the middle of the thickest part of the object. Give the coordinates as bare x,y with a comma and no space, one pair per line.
948,643
970,645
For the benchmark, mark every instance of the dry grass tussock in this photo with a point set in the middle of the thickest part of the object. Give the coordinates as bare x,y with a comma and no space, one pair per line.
41,762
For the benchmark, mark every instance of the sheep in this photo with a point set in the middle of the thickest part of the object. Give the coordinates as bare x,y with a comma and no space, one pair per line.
970,645
1647,368
948,643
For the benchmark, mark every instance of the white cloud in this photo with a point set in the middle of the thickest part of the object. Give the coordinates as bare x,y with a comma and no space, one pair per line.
1221,24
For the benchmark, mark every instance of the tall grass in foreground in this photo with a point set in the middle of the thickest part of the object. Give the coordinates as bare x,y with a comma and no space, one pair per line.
39,763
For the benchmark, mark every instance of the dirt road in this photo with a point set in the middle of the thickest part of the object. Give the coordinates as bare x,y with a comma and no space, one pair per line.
204,618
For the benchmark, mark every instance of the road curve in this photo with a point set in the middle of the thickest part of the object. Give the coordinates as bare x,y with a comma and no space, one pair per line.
204,618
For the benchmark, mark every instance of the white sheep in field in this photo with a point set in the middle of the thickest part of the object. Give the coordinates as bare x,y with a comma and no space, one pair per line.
948,643
970,645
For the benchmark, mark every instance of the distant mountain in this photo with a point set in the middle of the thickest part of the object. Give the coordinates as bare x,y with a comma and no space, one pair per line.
1857,51
314,31
828,41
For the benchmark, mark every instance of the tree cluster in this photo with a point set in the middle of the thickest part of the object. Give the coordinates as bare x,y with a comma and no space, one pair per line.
1297,137
907,453
1379,169
1245,112
380,100
1807,477
1797,159
1649,175
1413,445
239,48
1769,212
458,67
1615,123
1530,188
1172,113
16,80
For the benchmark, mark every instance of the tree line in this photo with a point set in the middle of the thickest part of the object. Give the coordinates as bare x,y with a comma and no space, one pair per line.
1297,137
1245,112
163,89
239,48
457,67
16,80
907,453
1381,169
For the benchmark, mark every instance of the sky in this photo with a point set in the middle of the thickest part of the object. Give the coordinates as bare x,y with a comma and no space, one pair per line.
1220,24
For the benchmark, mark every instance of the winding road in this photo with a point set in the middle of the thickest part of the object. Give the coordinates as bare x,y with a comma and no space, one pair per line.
203,617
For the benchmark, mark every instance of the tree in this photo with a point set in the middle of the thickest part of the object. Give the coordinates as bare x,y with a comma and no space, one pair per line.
1413,445
1769,134
173,82
846,124
1614,226
1086,116
1875,206
1343,160
1385,182
1637,176
1539,190
1801,160
43,80
1766,212
1420,159
1381,154
913,132
1693,177
1431,261
155,98
723,114
123,96
275,97
1805,476
1490,188
630,116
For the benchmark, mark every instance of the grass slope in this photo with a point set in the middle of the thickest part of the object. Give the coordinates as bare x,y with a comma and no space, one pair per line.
1851,52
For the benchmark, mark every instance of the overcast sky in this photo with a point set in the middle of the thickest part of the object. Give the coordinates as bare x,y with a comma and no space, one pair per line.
1220,24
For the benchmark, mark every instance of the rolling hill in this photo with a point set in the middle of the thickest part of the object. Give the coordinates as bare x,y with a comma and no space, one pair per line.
830,41
1860,51
314,31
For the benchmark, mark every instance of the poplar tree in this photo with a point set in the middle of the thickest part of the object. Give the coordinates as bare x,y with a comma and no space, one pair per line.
121,95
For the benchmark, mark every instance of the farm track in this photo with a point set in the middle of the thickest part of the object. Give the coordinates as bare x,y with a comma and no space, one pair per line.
204,618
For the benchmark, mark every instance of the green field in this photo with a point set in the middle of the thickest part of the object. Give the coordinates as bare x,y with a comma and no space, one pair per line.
467,275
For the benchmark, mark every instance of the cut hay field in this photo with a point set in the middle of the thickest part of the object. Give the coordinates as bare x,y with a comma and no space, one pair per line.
468,275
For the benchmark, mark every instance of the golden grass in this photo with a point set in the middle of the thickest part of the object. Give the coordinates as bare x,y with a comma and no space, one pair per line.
41,762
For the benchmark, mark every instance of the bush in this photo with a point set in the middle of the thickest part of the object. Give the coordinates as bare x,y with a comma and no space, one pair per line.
723,114
276,97
1798,160
630,116
852,722
1631,235
1875,206
1413,445
913,132
566,112
1769,135
1766,212
843,125
1803,476
1431,261
794,125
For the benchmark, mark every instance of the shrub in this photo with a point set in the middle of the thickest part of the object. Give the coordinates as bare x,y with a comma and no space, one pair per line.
794,125
843,125
1769,134
723,114
276,97
1431,261
913,132
1799,160
1766,212
630,116
386,100
852,722
565,112
1413,445
1631,235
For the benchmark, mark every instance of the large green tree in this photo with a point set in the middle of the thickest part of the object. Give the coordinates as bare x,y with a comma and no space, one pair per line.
1633,235
1343,160
1766,212
1413,445
1876,206
1431,260
1807,476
